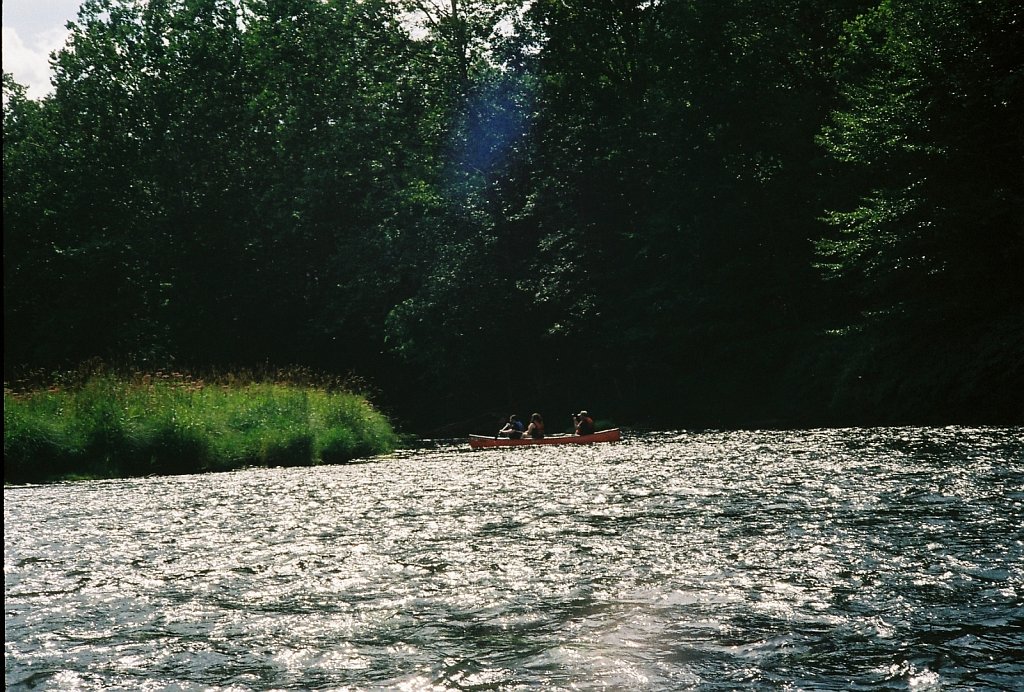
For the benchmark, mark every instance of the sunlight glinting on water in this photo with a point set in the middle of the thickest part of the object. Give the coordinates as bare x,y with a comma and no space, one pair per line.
817,559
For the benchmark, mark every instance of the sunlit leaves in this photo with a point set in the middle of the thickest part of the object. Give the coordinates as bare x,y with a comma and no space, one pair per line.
922,126
870,243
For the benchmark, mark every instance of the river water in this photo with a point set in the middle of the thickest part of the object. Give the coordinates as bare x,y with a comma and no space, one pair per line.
857,559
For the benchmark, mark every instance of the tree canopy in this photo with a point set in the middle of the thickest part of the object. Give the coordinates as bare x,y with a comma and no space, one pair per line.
690,214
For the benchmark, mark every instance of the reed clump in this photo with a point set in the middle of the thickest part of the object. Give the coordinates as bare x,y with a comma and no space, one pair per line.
107,425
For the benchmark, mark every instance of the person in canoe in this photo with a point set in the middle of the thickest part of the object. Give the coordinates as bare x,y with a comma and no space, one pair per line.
513,429
536,427
584,423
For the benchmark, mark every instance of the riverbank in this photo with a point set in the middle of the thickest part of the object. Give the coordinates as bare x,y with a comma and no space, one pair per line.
115,426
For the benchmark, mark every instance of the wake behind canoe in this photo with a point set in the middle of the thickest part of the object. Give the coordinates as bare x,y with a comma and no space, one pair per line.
485,442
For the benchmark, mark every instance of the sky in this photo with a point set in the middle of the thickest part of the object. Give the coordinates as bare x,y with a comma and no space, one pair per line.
31,30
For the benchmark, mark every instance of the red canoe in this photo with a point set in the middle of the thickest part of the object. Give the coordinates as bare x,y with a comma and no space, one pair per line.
484,442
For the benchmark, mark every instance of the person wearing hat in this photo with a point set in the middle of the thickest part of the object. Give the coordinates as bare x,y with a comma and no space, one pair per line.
584,423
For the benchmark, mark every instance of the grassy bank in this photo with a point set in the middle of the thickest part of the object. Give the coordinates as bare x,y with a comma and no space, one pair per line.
109,426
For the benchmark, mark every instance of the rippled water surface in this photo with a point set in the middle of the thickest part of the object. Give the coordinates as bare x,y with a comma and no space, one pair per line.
822,559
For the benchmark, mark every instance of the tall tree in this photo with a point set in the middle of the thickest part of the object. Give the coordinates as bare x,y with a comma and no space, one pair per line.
336,109
674,191
472,250
142,105
932,133
33,266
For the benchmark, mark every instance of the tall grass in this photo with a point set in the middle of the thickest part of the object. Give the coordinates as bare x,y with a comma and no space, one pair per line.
109,426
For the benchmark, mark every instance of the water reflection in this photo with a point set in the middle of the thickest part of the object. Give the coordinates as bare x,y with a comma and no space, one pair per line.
817,559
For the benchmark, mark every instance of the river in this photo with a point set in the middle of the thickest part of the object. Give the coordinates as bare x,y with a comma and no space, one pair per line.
853,559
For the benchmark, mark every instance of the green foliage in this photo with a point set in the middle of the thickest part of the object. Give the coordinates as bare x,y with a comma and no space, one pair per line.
480,203
108,426
932,120
37,442
930,135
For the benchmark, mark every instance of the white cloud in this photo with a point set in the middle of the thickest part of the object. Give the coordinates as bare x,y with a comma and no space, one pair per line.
29,61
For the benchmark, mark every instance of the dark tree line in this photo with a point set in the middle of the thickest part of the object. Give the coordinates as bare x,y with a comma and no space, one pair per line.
675,213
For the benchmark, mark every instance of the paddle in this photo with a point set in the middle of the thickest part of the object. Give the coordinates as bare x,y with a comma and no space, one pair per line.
498,434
